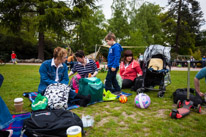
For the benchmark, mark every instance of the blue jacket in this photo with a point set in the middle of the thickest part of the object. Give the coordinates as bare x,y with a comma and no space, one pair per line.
114,55
48,75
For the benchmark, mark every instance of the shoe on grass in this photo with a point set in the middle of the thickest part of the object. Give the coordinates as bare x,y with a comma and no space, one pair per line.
108,96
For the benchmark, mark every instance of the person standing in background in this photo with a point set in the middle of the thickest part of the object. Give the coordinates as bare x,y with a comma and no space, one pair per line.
100,59
70,61
192,62
13,57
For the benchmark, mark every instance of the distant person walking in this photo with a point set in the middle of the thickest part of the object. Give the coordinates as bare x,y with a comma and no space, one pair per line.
13,57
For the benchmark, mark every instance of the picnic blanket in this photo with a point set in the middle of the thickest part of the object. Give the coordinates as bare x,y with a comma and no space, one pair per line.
17,125
32,96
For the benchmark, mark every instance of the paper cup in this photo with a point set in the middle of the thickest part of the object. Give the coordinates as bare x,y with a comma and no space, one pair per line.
18,104
74,131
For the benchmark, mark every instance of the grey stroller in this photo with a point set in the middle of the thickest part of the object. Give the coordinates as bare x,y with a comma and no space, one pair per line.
156,69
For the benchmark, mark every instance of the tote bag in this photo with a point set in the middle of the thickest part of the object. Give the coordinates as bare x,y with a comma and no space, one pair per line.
91,86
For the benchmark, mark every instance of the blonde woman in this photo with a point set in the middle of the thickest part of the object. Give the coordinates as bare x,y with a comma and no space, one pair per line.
54,70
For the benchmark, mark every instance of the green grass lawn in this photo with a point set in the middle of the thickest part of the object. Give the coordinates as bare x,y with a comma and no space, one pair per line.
113,119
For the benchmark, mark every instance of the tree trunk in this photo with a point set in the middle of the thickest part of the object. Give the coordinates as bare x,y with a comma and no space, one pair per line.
41,34
178,26
41,46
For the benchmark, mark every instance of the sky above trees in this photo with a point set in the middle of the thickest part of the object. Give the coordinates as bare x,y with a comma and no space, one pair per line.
106,7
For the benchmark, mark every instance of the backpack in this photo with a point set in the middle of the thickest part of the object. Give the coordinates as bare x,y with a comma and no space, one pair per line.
74,83
181,94
91,86
57,95
50,123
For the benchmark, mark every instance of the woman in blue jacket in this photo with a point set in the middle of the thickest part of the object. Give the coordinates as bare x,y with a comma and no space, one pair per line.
56,71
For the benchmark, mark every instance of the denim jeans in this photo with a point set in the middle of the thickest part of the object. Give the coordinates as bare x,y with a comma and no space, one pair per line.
111,80
5,116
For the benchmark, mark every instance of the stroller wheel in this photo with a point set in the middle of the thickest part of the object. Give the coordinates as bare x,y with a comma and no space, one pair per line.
161,93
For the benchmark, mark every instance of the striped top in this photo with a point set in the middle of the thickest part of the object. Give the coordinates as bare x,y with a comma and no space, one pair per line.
83,71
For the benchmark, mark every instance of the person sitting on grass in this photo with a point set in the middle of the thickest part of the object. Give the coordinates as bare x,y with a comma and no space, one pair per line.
200,75
84,66
56,71
129,70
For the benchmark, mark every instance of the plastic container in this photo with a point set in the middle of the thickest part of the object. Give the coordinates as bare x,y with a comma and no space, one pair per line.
74,131
88,121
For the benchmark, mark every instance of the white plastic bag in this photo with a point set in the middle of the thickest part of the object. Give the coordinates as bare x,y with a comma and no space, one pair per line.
87,120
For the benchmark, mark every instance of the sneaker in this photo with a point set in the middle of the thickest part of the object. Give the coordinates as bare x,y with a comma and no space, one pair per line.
108,96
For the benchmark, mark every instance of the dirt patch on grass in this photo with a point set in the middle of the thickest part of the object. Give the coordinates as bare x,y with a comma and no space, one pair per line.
102,122
203,111
161,113
105,120
146,129
107,106
133,116
117,108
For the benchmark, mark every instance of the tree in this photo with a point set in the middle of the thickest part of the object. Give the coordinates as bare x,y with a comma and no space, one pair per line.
118,24
189,19
168,25
89,32
147,21
49,15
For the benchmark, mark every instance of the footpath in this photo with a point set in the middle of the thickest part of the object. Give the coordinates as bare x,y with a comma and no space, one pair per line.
102,66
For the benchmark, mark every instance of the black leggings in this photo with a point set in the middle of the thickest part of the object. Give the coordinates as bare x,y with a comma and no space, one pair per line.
127,83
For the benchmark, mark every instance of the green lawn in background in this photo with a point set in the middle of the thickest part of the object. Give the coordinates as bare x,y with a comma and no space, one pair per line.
113,118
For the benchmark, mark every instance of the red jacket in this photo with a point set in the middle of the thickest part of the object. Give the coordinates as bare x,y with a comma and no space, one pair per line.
131,71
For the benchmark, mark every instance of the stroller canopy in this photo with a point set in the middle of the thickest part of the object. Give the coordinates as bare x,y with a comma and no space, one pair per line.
155,50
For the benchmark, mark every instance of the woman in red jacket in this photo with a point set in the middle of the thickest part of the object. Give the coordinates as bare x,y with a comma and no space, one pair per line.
129,70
